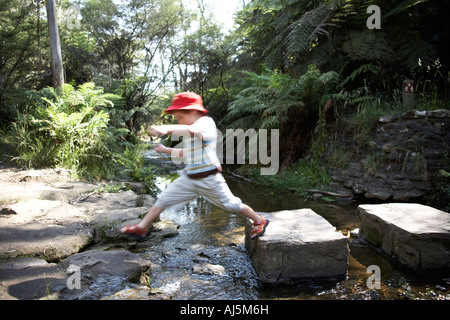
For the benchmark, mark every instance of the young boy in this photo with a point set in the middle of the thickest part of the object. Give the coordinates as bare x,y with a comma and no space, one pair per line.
202,174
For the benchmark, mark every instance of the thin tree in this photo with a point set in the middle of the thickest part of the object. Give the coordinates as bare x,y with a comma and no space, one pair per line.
55,46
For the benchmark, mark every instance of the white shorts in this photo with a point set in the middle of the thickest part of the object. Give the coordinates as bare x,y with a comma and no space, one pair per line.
213,188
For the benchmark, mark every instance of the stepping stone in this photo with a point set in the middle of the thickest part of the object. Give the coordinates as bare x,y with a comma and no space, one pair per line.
416,235
298,244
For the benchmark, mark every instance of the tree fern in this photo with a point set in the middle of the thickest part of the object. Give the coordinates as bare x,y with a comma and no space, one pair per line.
299,37
274,100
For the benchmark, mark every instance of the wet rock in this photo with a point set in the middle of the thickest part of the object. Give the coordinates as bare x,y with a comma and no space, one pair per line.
104,272
7,211
298,244
51,231
100,273
139,293
417,236
27,278
108,223
381,194
354,233
209,269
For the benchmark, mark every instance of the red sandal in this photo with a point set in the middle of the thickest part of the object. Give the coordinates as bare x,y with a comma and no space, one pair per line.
134,231
259,228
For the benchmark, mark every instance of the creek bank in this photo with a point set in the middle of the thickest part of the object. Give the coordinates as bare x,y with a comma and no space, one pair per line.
48,222
397,159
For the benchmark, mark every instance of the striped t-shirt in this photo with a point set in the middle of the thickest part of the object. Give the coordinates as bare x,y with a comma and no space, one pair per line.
199,152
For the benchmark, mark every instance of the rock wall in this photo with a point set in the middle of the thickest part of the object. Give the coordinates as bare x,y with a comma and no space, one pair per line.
398,159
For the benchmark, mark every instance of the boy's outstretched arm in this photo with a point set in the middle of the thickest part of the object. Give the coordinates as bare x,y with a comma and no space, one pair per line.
172,151
176,129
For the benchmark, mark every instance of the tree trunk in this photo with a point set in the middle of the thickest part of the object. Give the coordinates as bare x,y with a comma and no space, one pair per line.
55,46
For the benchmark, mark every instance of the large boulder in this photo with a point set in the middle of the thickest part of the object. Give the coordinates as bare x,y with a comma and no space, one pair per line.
416,235
298,244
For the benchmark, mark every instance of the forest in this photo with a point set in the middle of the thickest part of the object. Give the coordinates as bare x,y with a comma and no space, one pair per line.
292,65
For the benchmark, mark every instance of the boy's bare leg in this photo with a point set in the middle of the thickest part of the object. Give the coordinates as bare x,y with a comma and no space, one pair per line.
155,212
248,212
151,216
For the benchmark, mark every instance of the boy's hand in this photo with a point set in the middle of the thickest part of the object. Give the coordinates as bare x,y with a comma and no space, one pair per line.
171,151
160,148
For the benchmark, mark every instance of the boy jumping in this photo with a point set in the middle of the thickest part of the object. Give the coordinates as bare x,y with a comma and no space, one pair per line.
202,174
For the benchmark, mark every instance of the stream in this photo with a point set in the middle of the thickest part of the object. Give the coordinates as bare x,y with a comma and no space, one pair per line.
210,236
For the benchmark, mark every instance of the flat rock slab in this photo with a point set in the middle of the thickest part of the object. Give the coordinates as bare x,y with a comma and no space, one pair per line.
298,244
50,184
101,273
415,235
50,230
55,229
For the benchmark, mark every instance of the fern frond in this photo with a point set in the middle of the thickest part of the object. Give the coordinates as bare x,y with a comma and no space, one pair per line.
368,67
444,173
301,34
367,45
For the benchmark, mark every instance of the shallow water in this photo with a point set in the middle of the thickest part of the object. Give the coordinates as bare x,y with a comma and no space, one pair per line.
210,236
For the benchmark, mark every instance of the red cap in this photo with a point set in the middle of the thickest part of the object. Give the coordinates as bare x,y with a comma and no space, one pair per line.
187,101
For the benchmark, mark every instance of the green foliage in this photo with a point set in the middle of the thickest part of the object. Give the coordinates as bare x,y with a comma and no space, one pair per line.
133,164
269,99
20,67
444,173
113,188
302,176
275,100
70,130
333,36
302,35
142,51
